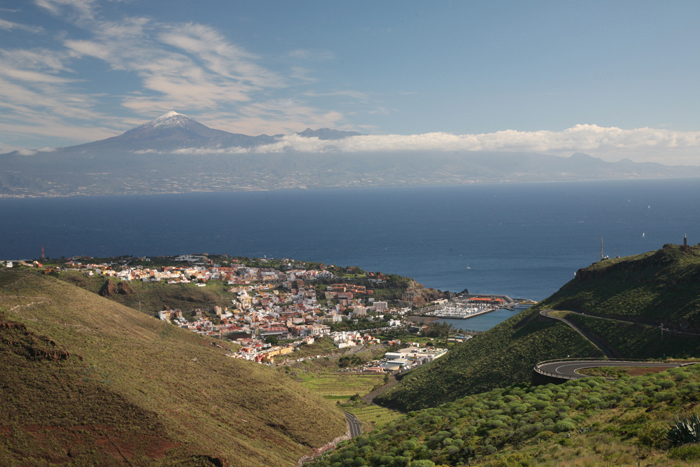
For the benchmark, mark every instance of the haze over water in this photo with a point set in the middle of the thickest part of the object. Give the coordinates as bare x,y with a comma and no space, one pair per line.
523,240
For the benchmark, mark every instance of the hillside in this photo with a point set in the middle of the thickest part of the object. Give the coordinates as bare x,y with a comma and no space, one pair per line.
88,381
501,356
659,286
151,297
585,422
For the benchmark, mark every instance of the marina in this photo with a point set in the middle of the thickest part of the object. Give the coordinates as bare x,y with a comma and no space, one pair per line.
470,306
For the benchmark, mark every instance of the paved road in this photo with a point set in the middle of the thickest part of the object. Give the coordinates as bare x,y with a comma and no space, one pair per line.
607,351
569,369
354,424
631,321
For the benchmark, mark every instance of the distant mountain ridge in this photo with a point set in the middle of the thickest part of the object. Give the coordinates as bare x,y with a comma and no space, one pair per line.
173,131
176,154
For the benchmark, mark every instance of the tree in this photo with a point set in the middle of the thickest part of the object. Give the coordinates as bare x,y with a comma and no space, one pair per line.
272,340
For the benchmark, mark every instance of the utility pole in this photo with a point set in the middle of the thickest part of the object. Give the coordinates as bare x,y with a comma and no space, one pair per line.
601,248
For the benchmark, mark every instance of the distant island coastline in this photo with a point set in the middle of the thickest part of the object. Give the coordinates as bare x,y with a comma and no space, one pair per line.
175,154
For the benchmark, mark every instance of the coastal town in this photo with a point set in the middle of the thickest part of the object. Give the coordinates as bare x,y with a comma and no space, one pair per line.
272,311
272,308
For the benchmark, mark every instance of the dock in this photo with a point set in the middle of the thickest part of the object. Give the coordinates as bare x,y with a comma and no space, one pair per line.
471,305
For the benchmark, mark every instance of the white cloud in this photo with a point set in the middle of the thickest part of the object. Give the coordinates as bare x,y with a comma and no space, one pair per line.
646,144
83,8
9,25
35,60
181,66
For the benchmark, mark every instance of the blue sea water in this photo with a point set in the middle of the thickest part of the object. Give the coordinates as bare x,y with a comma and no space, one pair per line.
483,322
523,240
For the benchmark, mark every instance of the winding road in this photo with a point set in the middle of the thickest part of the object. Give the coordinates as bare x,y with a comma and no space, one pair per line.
566,369
353,424
607,351
569,369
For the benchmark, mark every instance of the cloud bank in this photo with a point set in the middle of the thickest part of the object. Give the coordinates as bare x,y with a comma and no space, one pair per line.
646,144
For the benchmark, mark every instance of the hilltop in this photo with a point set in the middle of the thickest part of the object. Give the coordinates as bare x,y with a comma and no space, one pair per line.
625,301
87,381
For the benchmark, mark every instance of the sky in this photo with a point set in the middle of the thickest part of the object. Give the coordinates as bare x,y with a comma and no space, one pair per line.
612,79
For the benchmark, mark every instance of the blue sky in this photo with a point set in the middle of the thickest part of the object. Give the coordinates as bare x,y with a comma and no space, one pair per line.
613,79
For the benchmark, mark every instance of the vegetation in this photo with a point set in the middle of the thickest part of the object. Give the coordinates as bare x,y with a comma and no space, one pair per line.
636,340
89,381
339,386
658,286
591,421
504,355
151,297
371,416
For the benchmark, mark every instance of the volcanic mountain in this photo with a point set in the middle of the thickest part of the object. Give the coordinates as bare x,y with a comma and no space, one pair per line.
174,131
176,154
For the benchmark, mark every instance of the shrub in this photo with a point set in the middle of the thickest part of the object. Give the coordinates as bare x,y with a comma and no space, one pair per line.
540,405
665,396
686,453
666,384
423,463
652,435
684,431
564,425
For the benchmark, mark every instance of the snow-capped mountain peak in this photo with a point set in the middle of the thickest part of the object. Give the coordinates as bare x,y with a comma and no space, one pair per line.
169,120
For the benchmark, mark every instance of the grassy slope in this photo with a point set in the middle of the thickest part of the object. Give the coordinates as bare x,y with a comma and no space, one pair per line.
588,422
639,340
661,285
197,397
504,355
152,297
658,286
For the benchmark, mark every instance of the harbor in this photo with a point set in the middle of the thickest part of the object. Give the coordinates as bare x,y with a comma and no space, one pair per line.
470,306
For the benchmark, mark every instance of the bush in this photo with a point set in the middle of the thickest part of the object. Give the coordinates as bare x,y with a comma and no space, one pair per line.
686,453
684,431
666,384
652,435
665,396
564,425
423,463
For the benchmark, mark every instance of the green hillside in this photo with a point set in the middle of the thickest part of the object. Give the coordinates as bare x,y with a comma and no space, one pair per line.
585,422
87,381
151,297
504,355
657,287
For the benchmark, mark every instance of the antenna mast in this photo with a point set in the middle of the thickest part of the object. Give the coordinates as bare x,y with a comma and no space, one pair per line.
601,248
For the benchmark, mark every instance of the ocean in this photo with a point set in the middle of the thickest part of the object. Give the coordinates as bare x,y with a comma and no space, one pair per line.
522,240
